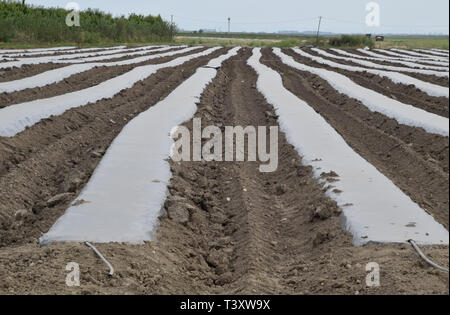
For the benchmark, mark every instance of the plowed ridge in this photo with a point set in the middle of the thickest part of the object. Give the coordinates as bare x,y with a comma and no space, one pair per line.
396,58
7,51
410,57
15,118
432,52
430,89
440,50
122,203
121,55
385,221
62,58
59,74
378,66
403,113
416,54
406,63
71,51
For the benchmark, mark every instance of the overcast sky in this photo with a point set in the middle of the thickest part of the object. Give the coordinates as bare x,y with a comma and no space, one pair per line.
340,16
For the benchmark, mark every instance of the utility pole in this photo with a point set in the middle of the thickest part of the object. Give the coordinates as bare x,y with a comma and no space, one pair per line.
318,31
229,25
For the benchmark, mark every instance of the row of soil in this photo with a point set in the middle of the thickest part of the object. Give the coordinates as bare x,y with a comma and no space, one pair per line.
68,53
442,81
78,81
404,56
407,94
392,63
58,155
416,161
24,71
228,228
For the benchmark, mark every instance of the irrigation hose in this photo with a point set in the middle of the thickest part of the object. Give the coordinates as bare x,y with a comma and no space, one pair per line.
422,255
111,269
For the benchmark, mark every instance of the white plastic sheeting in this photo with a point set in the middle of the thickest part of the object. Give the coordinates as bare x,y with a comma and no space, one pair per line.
440,50
15,118
61,58
429,88
71,51
149,57
403,113
387,59
121,55
57,75
374,209
8,51
392,58
432,52
378,66
124,196
393,53
416,54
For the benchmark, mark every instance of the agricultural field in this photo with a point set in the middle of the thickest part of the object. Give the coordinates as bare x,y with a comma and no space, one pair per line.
87,154
285,41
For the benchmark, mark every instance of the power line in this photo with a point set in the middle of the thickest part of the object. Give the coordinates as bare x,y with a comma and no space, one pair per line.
249,23
360,23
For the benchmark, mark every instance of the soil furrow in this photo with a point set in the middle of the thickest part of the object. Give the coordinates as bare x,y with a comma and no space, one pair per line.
410,157
387,63
78,81
25,71
63,151
401,92
442,81
227,227
150,52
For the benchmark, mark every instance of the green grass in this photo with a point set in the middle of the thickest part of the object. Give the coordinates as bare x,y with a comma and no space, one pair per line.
33,25
286,41
283,42
424,42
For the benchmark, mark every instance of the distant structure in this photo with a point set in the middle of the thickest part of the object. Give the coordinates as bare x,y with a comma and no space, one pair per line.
209,30
379,38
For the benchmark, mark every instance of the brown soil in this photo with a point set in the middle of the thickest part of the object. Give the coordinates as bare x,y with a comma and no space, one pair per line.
413,159
390,56
407,94
150,52
386,63
277,233
78,81
67,53
442,81
59,154
15,73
